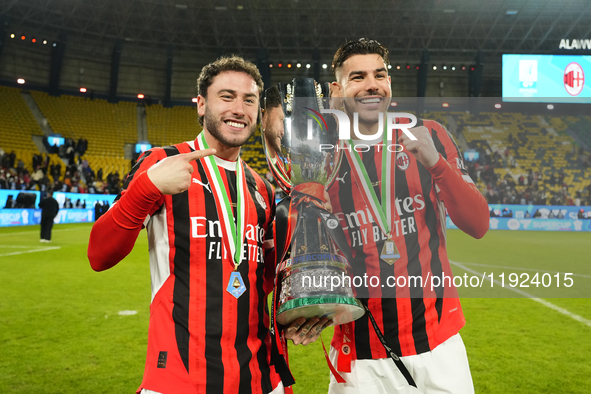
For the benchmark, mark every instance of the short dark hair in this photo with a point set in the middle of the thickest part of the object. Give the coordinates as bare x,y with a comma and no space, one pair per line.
272,98
362,46
226,63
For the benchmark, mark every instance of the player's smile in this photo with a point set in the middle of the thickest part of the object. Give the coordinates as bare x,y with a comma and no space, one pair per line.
370,102
235,124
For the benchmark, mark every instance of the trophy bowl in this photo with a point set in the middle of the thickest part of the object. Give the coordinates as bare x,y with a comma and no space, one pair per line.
313,273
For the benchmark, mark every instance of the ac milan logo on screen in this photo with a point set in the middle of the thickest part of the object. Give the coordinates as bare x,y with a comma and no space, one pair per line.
402,161
574,79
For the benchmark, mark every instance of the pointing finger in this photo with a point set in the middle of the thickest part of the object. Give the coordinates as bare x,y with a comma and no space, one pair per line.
198,154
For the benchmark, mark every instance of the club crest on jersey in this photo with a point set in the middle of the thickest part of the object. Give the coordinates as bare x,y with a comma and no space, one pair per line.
402,161
346,349
260,199
332,223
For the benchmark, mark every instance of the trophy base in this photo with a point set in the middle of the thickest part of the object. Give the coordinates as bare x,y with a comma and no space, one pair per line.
340,310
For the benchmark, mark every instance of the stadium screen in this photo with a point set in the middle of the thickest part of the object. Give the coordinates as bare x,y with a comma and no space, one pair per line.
55,141
139,148
471,155
546,78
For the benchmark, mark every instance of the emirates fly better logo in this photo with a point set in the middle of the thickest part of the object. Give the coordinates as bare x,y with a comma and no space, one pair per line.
574,79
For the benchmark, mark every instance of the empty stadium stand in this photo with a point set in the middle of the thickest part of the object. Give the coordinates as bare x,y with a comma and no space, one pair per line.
17,125
107,127
167,126
581,127
252,154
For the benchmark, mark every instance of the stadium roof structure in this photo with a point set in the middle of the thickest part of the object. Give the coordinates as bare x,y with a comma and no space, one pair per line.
290,28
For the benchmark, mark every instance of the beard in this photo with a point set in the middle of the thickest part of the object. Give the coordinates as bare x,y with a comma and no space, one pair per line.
213,126
273,141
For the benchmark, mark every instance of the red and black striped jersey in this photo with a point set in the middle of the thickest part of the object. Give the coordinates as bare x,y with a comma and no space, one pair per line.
413,319
201,338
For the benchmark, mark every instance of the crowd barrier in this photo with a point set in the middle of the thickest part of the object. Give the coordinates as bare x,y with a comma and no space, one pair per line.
519,211
4,193
570,222
90,199
24,217
535,224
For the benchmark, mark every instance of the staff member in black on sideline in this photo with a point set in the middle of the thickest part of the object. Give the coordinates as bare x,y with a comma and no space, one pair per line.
49,209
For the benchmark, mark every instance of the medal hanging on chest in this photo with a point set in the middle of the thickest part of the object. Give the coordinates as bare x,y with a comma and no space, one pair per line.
390,252
384,211
236,284
232,233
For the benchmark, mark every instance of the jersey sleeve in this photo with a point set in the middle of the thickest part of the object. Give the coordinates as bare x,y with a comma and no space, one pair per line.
465,204
113,235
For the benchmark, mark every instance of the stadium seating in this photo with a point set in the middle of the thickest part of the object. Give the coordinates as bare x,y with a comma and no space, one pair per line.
438,116
252,154
523,142
535,142
580,126
167,126
106,126
17,126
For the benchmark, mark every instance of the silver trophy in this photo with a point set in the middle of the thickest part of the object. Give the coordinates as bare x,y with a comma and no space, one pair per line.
313,272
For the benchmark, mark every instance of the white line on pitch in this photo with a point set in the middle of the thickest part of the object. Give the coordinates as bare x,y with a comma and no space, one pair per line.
31,251
525,269
530,296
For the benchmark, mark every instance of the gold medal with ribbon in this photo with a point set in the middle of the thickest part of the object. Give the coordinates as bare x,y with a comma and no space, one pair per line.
384,211
232,233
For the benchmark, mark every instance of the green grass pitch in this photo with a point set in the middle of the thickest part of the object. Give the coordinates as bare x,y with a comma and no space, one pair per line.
61,332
